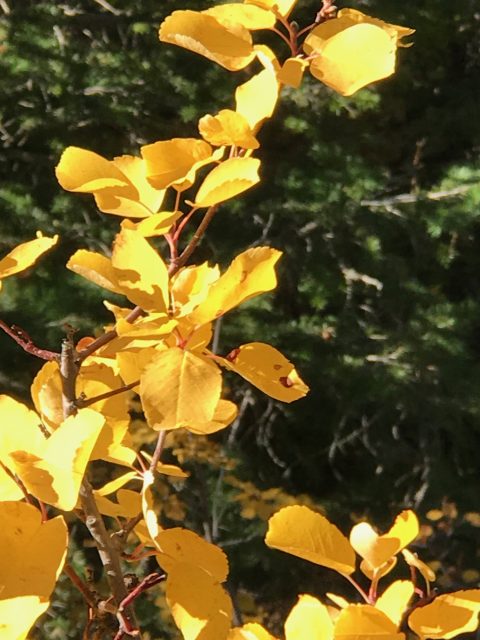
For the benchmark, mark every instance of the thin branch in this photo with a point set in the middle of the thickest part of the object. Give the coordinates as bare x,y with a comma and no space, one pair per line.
87,594
22,338
175,265
107,337
81,403
358,588
158,450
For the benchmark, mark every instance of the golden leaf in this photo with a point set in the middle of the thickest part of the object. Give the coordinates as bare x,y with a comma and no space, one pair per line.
364,622
249,16
25,255
447,616
309,535
17,616
227,128
394,600
256,99
309,620
227,180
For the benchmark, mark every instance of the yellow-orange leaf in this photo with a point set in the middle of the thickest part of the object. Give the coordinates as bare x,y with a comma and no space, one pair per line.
256,98
377,549
175,161
33,552
157,224
394,600
283,7
191,286
84,171
229,45
9,489
302,532
413,561
266,368
179,389
225,414
353,50
17,616
227,128
250,631
96,268
184,546
249,16
309,620
250,273
292,72
199,605
364,622
447,616
140,271
25,255
375,573
227,180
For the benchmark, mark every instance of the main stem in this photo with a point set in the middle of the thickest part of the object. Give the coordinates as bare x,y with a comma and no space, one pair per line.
108,553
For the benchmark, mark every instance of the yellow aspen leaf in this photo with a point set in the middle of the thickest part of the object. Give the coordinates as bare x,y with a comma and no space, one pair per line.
339,601
18,615
375,573
284,7
413,561
292,72
447,616
178,389
308,620
175,161
196,339
144,332
394,600
53,472
33,551
250,273
364,622
473,518
149,515
250,631
199,605
118,483
128,505
140,202
256,99
85,171
227,180
179,545
353,50
302,532
158,224
377,549
229,45
227,128
9,489
191,285
266,368
132,362
225,414
140,271
96,268
249,16
25,255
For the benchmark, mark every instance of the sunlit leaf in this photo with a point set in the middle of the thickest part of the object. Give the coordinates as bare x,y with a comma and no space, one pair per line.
266,368
85,171
128,505
375,573
96,268
17,616
140,271
309,620
184,546
413,561
9,489
227,180
394,600
225,414
249,16
171,162
250,273
230,45
179,388
283,7
256,99
364,622
447,616
377,549
199,605
353,50
191,286
302,532
157,224
33,552
250,631
25,255
227,128
292,72
149,515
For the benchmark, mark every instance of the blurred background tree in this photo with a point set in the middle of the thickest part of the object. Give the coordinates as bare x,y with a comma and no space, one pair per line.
375,201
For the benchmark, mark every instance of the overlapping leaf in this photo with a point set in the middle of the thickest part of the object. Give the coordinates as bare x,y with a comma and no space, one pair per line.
309,620
227,180
227,128
447,616
365,622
